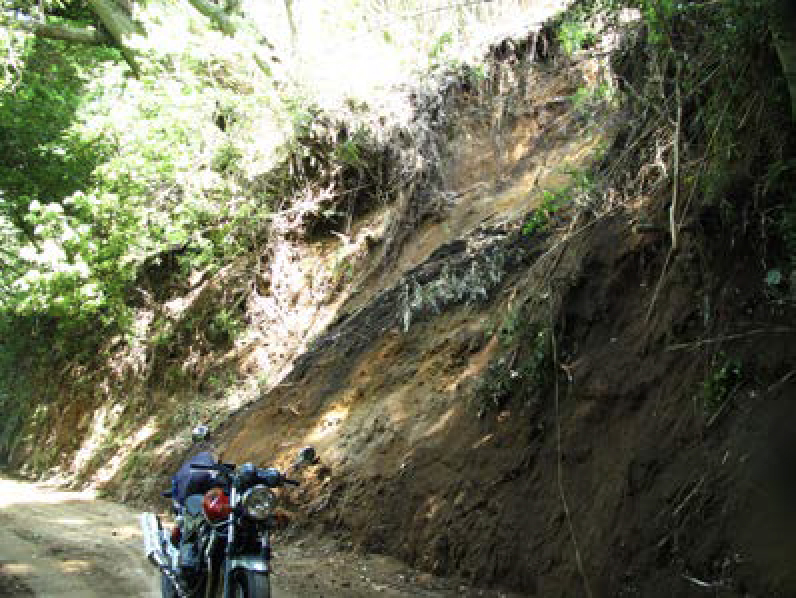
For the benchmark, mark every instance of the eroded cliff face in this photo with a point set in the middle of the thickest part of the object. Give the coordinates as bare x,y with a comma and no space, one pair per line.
446,446
550,412
509,383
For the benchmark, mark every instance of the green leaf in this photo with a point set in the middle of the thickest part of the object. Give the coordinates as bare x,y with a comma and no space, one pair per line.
773,277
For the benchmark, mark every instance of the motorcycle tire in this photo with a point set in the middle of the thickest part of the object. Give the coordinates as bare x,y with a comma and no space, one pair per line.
166,587
251,584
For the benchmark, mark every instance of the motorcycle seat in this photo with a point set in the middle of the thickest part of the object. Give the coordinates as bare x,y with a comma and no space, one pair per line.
193,504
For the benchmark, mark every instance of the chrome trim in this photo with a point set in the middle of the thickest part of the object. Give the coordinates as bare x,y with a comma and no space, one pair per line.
248,562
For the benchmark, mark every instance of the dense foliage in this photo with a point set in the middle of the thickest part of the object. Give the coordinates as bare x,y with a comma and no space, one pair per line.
100,172
712,121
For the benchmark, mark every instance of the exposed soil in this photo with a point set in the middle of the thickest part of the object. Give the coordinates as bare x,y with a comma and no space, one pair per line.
641,461
665,494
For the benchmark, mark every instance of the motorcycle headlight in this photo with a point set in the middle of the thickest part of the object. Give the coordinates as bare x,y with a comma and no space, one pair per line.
258,501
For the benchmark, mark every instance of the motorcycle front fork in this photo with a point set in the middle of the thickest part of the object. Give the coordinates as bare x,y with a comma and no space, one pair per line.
229,552
265,550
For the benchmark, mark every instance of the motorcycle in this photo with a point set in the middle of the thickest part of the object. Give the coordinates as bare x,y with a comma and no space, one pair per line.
222,537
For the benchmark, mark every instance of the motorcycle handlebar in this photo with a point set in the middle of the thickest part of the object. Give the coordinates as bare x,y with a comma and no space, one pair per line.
222,467
272,477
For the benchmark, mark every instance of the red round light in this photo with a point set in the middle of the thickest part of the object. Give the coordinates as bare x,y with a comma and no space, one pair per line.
176,534
215,505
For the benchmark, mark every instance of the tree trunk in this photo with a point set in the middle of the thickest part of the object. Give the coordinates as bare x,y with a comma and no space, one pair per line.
120,26
292,23
222,19
87,35
782,22
216,14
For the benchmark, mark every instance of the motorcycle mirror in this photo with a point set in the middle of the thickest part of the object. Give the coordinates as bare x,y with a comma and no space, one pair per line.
306,456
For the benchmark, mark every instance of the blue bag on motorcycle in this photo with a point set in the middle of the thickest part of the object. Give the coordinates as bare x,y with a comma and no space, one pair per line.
189,481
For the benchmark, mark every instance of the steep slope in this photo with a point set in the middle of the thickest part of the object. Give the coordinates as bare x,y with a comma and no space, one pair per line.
424,462
584,413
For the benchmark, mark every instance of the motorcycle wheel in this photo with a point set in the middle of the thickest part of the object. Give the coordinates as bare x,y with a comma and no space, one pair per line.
251,584
166,587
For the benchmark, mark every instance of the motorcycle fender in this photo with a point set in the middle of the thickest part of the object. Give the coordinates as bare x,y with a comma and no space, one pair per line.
249,562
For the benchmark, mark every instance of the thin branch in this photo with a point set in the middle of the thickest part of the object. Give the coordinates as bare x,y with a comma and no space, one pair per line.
659,284
676,174
673,224
441,8
700,583
689,496
730,337
781,382
560,459
724,406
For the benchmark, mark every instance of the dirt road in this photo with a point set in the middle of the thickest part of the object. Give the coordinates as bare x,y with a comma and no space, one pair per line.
73,545
68,544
